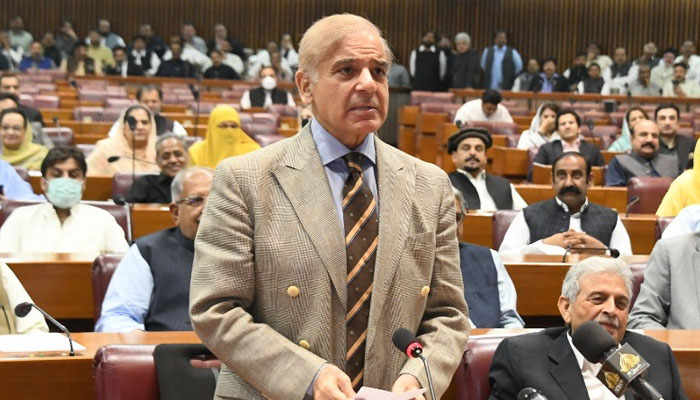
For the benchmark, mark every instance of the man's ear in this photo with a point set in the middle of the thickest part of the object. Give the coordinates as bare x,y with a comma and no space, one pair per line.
563,304
45,184
303,82
175,211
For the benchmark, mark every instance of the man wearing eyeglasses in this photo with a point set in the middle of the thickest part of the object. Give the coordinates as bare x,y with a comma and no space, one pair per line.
171,157
150,289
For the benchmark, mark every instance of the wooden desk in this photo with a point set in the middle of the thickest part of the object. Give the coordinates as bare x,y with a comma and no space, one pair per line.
478,228
149,218
509,162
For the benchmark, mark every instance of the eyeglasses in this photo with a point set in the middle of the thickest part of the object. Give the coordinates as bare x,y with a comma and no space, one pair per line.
460,217
15,128
193,201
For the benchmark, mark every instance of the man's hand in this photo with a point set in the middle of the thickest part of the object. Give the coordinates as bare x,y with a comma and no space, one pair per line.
679,91
565,239
333,384
406,383
591,242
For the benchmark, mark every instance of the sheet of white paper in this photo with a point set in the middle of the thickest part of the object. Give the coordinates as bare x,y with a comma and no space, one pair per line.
368,393
36,342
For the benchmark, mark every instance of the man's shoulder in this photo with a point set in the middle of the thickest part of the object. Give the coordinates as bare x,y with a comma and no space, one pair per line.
541,340
497,178
642,342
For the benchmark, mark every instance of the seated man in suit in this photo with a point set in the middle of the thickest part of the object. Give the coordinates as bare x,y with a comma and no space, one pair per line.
488,289
267,93
568,125
123,66
596,289
171,157
481,190
488,108
569,221
150,289
644,160
668,297
667,117
63,224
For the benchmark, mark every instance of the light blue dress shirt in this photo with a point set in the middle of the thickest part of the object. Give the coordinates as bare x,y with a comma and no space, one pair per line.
496,68
13,186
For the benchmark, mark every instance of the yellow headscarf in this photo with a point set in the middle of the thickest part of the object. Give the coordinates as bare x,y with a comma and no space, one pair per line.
29,155
684,191
221,143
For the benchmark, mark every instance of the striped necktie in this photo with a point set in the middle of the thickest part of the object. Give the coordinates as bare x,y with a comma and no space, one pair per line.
361,228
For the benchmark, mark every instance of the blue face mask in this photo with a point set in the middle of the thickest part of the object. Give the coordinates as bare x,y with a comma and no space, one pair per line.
64,193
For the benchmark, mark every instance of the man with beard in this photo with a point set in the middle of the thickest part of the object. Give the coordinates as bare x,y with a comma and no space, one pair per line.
427,64
578,71
481,190
569,221
644,160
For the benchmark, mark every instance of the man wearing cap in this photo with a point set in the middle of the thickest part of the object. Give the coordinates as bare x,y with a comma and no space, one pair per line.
481,190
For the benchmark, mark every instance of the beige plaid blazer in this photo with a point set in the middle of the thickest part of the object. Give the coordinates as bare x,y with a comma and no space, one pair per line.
268,293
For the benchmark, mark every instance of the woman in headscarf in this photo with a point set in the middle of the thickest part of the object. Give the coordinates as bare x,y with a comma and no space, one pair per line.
632,117
17,147
541,128
130,149
224,138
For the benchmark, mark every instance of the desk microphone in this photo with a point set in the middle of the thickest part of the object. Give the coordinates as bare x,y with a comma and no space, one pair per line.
614,253
112,159
195,93
405,341
459,124
632,202
75,85
23,309
529,393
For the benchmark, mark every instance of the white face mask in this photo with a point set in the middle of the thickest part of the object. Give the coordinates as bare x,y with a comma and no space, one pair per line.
268,83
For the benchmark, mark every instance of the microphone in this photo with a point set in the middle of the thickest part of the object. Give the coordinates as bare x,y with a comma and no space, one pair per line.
197,97
75,85
614,253
632,202
590,125
112,159
459,124
622,366
131,121
23,309
529,393
405,341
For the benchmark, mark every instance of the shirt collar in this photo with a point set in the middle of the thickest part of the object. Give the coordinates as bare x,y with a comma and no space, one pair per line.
330,149
566,208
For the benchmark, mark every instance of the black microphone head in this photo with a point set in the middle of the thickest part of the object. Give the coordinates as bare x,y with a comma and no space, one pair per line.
119,200
73,83
590,124
132,122
614,253
593,341
529,393
23,309
403,338
459,124
112,159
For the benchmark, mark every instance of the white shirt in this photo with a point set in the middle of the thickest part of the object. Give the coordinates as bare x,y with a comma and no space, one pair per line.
661,74
193,56
517,238
485,198
262,58
245,100
235,62
534,139
155,61
16,294
37,229
472,111
589,371
690,88
693,65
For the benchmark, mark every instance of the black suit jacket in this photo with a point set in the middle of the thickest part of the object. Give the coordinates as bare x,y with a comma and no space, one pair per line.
545,361
550,151
684,146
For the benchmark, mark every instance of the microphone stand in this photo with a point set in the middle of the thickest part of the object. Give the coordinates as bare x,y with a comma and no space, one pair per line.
197,97
430,378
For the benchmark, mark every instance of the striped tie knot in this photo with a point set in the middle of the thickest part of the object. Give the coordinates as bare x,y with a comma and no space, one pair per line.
354,161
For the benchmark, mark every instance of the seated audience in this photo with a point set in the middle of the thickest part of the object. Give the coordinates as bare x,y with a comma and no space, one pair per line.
596,289
633,115
189,53
50,49
129,149
12,55
232,60
219,70
680,86
66,38
619,73
97,51
488,289
549,80
267,93
154,43
63,224
594,83
19,38
668,296
568,125
109,39
150,289
123,66
142,56
175,66
427,65
593,56
689,58
152,97
224,138
287,50
678,146
481,190
648,56
662,73
541,128
172,157
643,85
78,63
16,137
643,160
9,83
568,221
36,59
465,71
39,136
221,38
488,108
577,72
687,221
526,81
683,191
12,293
190,38
270,57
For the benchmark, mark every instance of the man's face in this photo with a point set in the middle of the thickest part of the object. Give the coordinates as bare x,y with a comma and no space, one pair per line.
679,73
593,49
143,126
267,71
429,38
688,48
580,60
533,66
272,47
620,56
462,46
215,58
470,155
603,298
286,42
501,39
351,96
188,32
645,139
48,40
12,131
139,44
176,50
568,127
35,50
275,58
10,84
650,50
171,157
7,103
594,71
644,73
104,27
94,38
220,31
151,100
64,169
549,68
17,24
145,30
668,58
488,108
667,121
195,190
119,56
570,181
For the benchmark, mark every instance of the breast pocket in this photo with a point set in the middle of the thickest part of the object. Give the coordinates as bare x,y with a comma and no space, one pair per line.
415,270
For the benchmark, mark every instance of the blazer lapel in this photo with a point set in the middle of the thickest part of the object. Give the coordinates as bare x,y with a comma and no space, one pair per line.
565,369
303,179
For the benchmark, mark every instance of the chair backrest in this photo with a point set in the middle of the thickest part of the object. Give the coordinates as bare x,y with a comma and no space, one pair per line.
686,131
62,136
122,181
87,113
125,372
650,191
46,101
256,129
501,223
23,173
86,148
178,378
102,269
472,375
266,140
637,280
661,225
266,118
504,128
284,110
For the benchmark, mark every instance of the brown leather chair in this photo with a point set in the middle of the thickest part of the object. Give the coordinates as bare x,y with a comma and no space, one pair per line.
122,181
267,118
650,191
102,270
472,375
637,280
62,136
661,225
501,223
125,372
284,110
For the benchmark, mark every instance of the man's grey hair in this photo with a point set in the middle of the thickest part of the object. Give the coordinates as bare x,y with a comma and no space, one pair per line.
181,177
460,198
594,265
169,135
463,36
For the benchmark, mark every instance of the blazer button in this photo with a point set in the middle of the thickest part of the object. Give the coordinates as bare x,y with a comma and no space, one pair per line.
303,343
293,291
425,291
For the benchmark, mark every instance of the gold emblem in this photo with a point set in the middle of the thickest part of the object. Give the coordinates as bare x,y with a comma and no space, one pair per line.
611,379
628,361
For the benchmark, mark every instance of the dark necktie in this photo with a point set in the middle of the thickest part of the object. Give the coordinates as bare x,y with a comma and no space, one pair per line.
361,229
